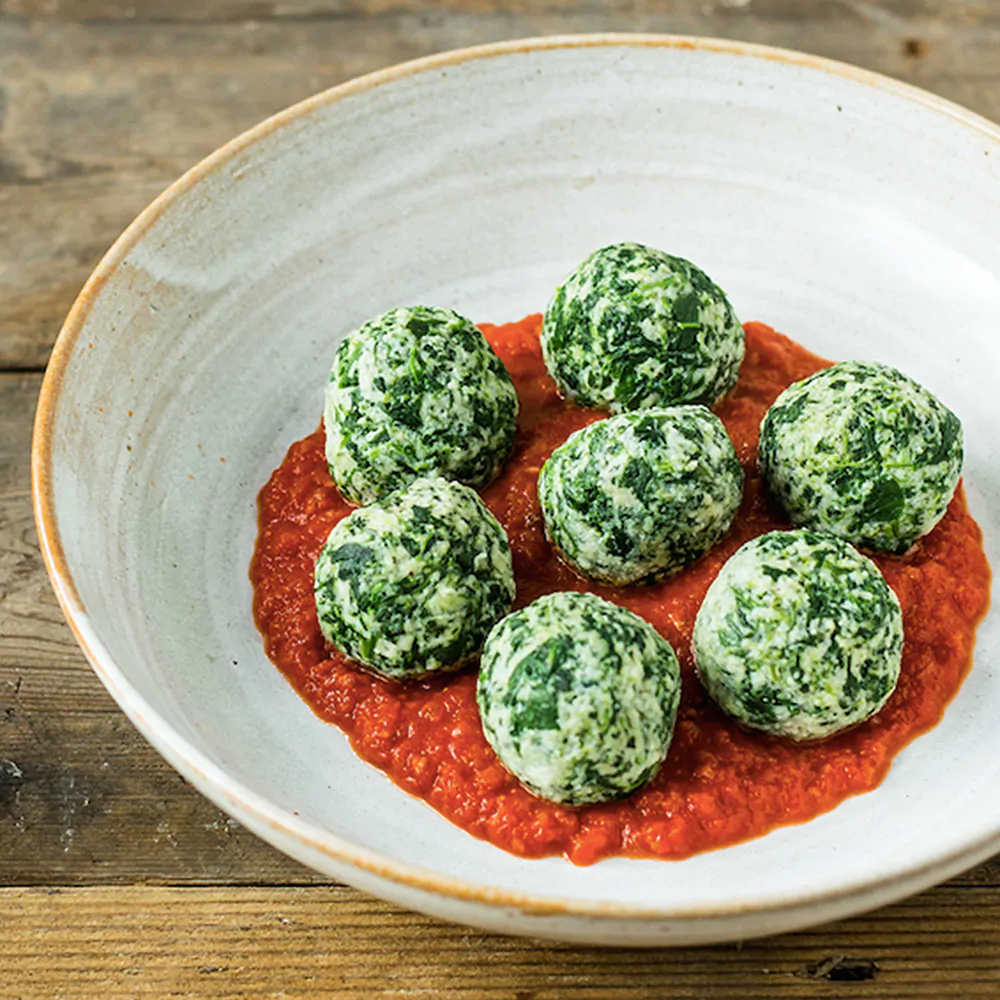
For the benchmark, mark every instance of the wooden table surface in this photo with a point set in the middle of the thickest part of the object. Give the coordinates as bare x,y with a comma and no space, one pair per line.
116,878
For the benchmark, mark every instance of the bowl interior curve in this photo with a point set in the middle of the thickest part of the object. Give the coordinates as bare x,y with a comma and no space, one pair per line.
857,220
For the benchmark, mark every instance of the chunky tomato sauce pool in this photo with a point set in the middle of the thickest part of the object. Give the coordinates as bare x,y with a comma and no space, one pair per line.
720,784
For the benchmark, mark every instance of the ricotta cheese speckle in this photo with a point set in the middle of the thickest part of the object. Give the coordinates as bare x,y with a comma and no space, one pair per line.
578,697
864,452
799,635
633,327
416,392
637,497
411,584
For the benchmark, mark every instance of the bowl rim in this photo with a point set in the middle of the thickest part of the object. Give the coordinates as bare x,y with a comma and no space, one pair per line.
211,779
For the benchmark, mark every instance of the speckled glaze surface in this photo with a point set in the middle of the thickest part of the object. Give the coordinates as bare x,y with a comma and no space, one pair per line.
855,214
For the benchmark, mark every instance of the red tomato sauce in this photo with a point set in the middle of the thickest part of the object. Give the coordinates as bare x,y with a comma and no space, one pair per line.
720,784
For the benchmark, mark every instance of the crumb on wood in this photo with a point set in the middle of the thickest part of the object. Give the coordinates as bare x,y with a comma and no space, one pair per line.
841,969
916,48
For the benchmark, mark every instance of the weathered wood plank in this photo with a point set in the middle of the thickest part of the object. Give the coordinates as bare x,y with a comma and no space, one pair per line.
17,408
83,798
937,13
99,116
334,942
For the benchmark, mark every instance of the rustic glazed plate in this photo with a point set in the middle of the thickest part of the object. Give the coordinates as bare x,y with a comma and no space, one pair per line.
858,215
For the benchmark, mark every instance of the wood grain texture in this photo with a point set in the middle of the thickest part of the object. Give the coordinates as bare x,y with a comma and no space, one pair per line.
104,102
802,13
334,942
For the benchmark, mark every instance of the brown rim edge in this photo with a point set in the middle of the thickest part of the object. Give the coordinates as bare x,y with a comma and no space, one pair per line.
231,795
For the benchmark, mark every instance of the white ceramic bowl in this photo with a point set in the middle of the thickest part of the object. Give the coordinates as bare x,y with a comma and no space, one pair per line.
856,214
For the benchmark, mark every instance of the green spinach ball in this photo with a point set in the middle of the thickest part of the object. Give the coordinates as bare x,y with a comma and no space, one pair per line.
416,392
411,584
637,497
633,327
864,452
799,635
578,697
